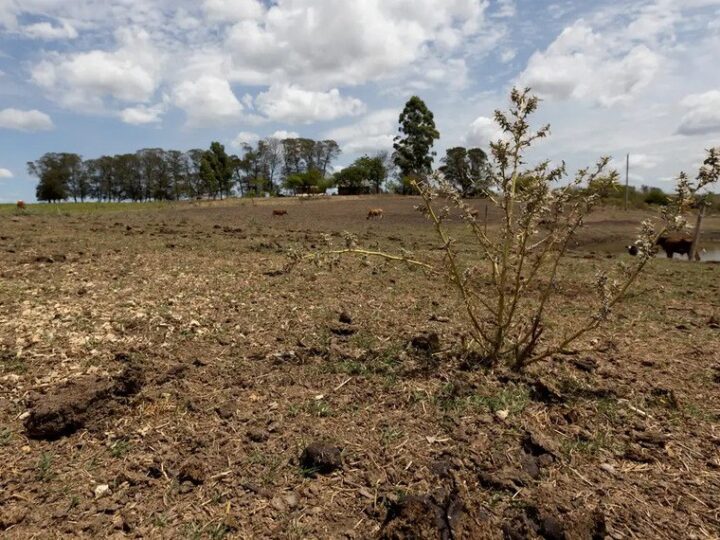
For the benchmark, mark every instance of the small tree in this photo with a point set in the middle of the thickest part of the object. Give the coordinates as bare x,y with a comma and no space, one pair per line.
508,283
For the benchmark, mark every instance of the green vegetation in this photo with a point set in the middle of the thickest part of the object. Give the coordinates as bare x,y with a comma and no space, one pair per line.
413,149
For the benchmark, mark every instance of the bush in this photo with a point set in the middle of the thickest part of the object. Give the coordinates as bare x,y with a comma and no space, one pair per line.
507,289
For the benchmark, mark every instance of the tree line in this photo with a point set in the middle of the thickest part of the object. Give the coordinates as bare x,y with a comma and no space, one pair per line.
271,165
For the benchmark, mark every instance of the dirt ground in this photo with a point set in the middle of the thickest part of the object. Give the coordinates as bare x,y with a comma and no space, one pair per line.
160,377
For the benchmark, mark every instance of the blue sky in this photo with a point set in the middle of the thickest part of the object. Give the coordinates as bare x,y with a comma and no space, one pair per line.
108,76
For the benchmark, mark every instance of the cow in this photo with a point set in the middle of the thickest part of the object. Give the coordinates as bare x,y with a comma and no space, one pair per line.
20,205
277,212
676,243
375,213
671,243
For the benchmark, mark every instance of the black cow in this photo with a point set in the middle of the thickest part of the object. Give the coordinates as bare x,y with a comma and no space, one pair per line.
671,243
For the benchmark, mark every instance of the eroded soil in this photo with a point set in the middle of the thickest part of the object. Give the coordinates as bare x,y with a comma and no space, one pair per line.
161,376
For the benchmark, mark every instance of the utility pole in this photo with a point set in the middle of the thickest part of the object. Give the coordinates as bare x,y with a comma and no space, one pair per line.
694,255
627,181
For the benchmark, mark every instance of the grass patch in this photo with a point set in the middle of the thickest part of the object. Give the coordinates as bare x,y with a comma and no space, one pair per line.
511,397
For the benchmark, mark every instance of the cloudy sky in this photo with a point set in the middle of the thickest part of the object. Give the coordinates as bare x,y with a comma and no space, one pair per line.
107,76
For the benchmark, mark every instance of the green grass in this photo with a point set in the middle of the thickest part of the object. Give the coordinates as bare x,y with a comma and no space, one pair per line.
44,466
513,398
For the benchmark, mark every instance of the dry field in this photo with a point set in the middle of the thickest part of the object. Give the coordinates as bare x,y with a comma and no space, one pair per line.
160,378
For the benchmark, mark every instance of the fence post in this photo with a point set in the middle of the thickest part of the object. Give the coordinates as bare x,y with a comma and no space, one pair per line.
627,181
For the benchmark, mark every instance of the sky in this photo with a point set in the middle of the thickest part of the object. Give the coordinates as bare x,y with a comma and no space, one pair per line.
99,77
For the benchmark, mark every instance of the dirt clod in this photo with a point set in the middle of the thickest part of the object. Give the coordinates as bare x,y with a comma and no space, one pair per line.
192,471
416,517
428,342
321,458
71,406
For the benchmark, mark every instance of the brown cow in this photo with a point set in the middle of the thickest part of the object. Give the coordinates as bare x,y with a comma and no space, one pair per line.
21,205
375,213
279,212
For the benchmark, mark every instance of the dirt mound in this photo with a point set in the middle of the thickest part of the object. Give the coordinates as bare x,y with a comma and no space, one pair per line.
426,517
74,405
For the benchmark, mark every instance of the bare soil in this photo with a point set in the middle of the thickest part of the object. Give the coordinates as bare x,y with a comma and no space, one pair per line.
161,376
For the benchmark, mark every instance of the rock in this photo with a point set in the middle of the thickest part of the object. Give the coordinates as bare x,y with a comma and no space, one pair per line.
502,414
321,458
608,468
101,490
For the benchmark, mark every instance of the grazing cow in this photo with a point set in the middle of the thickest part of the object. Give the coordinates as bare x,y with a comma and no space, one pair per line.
21,205
279,212
375,213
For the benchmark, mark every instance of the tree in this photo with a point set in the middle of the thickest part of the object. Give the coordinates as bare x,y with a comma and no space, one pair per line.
216,170
55,172
467,170
271,151
351,179
251,170
364,174
78,185
413,155
311,181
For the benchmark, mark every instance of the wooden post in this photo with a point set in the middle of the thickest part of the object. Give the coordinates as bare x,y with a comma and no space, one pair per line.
627,181
696,236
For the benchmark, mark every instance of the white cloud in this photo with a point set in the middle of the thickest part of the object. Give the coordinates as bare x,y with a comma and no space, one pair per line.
5,173
482,132
233,10
289,103
324,43
584,64
207,100
81,80
282,134
508,55
638,161
32,120
703,114
244,137
505,8
46,31
142,114
374,132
